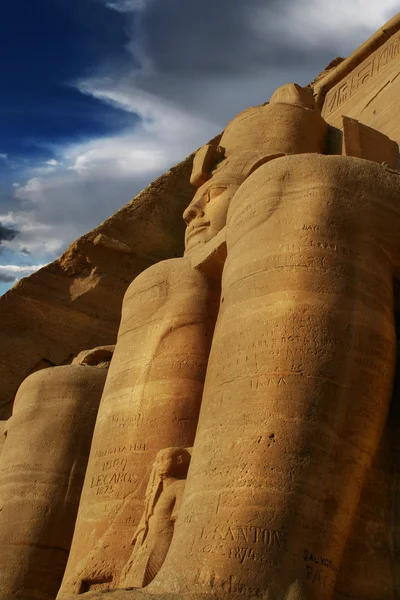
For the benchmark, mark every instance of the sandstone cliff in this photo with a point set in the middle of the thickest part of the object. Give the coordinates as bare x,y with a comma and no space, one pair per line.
74,303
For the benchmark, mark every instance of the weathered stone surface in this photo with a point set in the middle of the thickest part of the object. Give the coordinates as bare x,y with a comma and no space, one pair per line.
75,302
369,568
362,141
366,85
96,357
3,430
42,467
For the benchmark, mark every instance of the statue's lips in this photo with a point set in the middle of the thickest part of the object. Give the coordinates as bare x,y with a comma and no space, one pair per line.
193,230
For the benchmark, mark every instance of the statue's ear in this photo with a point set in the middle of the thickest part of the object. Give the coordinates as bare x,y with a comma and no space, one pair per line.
204,161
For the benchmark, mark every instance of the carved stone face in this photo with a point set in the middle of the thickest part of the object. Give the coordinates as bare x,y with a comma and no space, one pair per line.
172,462
166,461
206,214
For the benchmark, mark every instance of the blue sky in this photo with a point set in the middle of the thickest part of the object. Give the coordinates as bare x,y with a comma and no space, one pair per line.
47,45
101,96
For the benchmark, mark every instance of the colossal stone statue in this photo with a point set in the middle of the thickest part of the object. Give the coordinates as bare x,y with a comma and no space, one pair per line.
42,468
299,381
152,396
151,401
161,508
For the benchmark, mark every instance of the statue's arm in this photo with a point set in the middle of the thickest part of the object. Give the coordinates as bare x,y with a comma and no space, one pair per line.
179,489
141,529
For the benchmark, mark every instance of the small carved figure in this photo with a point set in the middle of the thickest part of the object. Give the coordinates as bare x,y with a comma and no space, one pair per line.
155,530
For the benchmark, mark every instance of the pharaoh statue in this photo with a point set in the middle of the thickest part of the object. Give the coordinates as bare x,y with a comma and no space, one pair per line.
299,382
42,467
154,533
270,348
154,387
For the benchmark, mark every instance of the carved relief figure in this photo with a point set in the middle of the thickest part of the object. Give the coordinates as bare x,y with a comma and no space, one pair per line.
162,503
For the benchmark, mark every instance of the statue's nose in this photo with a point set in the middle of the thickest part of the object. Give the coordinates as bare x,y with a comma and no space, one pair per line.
192,211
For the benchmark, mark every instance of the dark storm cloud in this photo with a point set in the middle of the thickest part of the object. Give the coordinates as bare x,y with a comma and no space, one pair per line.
208,37
216,58
7,278
7,233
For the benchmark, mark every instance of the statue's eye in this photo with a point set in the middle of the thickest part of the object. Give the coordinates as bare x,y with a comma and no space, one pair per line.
215,192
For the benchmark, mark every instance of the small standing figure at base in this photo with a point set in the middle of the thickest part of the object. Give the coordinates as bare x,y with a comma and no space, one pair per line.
156,527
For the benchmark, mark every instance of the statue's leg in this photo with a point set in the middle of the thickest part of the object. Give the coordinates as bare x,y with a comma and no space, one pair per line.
151,401
298,384
42,468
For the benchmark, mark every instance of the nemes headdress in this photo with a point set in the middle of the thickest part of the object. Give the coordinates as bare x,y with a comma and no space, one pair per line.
231,171
288,124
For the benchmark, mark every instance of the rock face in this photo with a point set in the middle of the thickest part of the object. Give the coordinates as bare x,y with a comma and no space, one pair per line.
42,467
75,302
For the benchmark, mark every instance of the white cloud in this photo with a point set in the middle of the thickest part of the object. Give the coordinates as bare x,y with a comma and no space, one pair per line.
52,162
36,237
32,186
95,178
159,117
11,273
4,156
18,269
119,155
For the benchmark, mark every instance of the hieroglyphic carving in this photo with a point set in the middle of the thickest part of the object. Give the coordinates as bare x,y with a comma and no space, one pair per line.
362,75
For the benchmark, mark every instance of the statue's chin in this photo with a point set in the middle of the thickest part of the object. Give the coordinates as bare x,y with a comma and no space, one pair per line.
197,239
